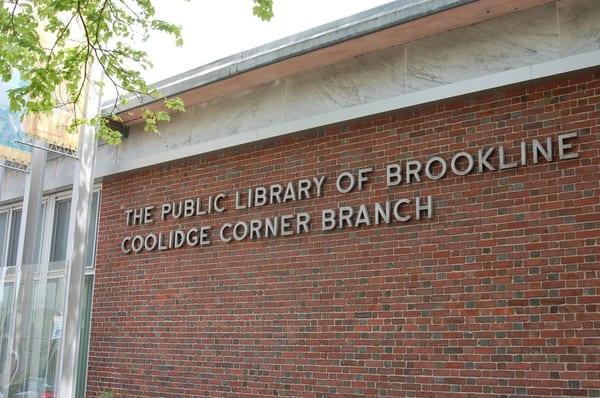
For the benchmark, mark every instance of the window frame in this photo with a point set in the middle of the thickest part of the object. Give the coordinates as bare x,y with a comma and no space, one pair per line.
8,273
10,210
4,254
49,202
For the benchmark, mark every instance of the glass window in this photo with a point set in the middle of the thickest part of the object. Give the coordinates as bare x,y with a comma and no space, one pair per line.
90,241
40,359
13,239
9,236
38,348
3,235
6,296
60,230
52,330
39,234
85,335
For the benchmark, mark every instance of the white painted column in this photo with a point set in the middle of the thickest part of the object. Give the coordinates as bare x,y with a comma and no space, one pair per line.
81,200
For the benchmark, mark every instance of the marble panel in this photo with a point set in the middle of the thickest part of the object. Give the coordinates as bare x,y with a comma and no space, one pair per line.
173,134
579,26
361,80
500,44
238,113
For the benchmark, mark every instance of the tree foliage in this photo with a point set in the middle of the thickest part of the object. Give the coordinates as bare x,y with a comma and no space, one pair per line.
52,43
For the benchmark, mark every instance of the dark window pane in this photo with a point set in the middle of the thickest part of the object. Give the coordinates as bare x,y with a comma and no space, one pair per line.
90,241
60,229
3,236
38,235
13,240
85,335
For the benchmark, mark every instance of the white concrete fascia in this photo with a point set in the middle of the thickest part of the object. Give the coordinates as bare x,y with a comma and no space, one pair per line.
513,76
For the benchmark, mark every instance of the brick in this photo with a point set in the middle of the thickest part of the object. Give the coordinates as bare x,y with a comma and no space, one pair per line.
500,284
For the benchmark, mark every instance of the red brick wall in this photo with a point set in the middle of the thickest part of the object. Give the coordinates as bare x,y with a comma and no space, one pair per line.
497,295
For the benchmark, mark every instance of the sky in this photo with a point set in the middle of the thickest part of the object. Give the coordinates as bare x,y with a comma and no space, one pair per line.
218,28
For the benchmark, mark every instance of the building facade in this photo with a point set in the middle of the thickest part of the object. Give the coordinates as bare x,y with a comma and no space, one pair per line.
402,203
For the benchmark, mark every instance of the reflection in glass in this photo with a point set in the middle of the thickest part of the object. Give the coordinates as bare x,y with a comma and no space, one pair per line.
85,335
60,230
34,360
3,236
90,241
38,235
13,239
9,236
6,296
35,373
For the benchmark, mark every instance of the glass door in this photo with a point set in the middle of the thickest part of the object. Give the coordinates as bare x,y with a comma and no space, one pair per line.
31,326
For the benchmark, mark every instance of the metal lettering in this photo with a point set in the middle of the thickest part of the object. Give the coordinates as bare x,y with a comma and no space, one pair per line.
362,176
226,226
563,146
240,235
286,225
191,238
204,235
217,203
255,226
137,243
319,185
482,159
124,245
304,189
454,161
260,196
362,216
238,201
179,239
382,213
427,207
429,168
271,227
188,208
290,192
346,175
147,246
393,174
502,160
327,220
165,209
539,149
275,196
346,213
302,223
413,168
397,214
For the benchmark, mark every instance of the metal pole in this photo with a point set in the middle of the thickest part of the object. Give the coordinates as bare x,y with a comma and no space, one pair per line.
78,226
23,291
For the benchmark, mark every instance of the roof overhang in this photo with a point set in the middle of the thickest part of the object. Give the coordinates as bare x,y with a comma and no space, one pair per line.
383,27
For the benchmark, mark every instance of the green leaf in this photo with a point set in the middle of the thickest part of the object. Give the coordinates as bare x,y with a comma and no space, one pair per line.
263,9
78,33
175,104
